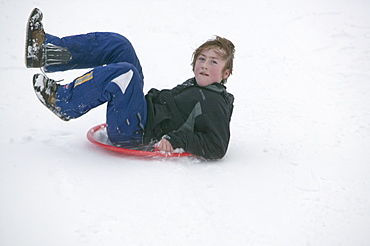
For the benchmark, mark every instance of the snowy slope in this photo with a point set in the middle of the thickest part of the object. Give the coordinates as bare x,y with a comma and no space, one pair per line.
298,167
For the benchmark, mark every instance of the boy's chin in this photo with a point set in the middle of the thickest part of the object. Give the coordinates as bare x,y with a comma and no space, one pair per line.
201,81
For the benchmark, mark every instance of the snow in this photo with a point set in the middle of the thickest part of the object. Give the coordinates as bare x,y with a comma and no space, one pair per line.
297,171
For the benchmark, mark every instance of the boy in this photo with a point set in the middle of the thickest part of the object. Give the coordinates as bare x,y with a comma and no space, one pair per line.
194,116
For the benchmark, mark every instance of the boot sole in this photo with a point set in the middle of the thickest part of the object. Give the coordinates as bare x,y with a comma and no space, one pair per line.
31,60
39,86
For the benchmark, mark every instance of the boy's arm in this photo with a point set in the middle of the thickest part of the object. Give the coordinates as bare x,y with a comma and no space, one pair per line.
210,139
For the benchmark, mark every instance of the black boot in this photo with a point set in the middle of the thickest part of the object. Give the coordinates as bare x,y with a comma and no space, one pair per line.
46,90
39,54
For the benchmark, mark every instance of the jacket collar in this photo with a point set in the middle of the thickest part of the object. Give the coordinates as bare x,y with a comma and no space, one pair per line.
216,87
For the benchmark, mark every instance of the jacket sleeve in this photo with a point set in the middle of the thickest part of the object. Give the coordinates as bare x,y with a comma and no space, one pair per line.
210,138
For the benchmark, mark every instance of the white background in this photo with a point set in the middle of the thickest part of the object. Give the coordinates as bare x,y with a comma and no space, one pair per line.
297,171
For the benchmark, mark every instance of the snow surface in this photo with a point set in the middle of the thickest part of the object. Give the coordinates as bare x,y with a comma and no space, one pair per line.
298,167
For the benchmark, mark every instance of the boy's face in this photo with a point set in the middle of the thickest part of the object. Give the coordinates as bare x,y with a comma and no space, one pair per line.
209,67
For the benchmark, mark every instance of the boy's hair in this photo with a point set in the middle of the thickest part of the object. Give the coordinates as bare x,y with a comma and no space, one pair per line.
223,47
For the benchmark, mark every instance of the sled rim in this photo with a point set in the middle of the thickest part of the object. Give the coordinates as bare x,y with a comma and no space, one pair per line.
92,138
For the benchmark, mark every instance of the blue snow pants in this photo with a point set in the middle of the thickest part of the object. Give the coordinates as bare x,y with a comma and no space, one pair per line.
116,78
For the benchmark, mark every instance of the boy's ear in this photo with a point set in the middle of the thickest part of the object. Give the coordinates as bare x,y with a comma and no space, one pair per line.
226,74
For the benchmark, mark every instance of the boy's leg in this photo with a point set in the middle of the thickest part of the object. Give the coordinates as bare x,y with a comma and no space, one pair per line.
93,50
120,85
80,51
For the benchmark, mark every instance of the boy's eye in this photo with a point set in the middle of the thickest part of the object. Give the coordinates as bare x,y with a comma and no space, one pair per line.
214,62
201,59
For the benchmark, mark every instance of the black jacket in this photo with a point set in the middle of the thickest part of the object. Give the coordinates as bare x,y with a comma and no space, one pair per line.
194,118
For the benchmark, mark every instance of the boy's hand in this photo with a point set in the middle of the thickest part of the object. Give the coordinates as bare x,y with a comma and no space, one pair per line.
164,145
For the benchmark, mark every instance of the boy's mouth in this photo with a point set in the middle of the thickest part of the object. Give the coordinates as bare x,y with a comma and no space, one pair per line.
204,74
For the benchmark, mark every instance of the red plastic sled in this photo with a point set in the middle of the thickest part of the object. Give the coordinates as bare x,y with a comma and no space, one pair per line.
98,135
